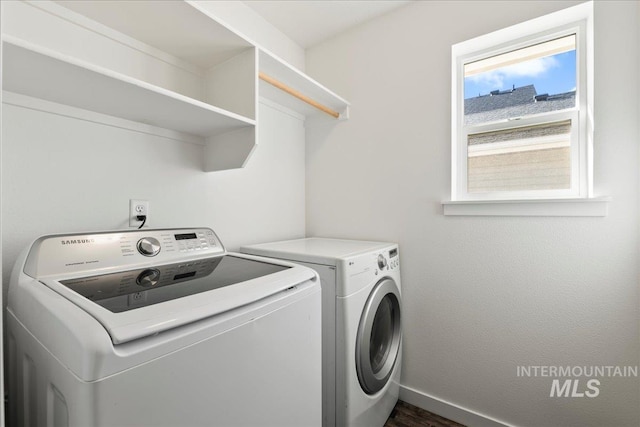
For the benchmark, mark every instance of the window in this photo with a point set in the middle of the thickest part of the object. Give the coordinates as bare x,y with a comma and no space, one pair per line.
522,102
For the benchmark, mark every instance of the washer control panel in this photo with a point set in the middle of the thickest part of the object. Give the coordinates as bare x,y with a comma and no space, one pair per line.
62,255
198,240
148,246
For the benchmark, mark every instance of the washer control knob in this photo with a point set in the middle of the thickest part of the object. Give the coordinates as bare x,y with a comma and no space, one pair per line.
382,262
148,246
148,278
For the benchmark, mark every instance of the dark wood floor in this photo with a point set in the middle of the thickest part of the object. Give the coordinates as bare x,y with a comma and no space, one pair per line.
405,415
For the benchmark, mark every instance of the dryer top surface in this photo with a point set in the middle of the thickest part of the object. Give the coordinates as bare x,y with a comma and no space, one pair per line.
317,250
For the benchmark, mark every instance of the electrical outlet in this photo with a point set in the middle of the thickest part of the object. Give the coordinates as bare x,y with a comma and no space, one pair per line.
138,207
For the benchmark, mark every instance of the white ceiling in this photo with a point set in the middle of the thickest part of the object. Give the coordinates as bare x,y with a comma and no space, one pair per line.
309,22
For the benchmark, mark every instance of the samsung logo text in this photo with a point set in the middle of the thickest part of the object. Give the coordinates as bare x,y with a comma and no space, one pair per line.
77,241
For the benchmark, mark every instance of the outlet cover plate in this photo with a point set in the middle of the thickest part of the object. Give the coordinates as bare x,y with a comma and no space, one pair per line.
138,207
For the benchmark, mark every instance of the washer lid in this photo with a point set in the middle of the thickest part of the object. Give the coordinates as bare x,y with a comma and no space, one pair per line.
315,249
137,303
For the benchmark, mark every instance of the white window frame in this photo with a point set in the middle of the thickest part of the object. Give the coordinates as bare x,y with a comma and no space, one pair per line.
576,20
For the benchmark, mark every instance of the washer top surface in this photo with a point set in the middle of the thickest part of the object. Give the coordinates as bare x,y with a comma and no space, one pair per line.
316,250
134,289
143,282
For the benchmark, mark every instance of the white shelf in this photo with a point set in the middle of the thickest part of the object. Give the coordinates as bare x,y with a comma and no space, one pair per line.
297,80
168,67
183,29
48,75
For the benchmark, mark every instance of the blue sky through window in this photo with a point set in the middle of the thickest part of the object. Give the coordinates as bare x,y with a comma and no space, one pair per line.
550,74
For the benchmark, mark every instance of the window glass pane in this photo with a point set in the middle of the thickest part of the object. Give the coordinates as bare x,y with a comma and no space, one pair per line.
526,158
532,80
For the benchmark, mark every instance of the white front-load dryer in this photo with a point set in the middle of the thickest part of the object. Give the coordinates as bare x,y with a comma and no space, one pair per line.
361,321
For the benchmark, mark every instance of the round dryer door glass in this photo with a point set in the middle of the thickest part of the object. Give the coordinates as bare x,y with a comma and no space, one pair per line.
381,334
378,341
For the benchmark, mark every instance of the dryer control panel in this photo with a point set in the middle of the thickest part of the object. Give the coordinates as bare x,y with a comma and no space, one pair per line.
389,260
63,255
362,270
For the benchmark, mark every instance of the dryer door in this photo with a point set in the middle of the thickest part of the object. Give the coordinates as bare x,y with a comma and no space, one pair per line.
379,333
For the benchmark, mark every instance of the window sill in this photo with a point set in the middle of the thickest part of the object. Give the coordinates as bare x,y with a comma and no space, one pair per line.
594,207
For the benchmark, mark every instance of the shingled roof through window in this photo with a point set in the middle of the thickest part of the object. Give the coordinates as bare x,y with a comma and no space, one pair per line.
518,102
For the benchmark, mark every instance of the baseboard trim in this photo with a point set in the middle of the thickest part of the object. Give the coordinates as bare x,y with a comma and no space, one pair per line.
447,409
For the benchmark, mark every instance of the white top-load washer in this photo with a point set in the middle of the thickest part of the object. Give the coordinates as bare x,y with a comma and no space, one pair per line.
161,327
361,324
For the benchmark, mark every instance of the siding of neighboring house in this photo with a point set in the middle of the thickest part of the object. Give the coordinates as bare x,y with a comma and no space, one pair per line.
520,159
521,133
529,170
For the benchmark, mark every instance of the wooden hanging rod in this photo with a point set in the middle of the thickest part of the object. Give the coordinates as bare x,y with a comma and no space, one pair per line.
298,95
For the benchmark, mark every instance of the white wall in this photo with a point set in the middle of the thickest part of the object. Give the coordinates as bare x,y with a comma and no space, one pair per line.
483,295
61,174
